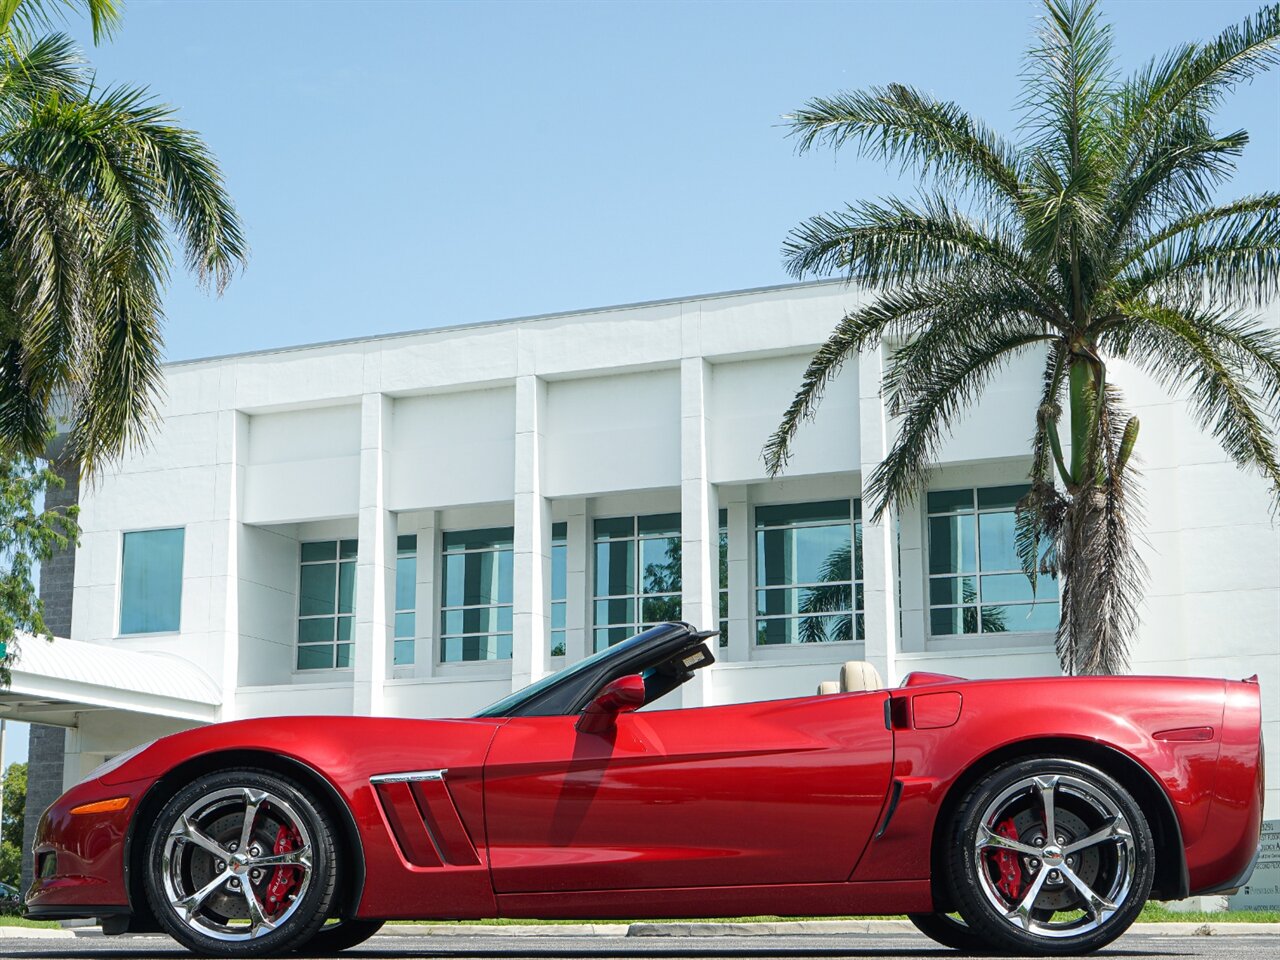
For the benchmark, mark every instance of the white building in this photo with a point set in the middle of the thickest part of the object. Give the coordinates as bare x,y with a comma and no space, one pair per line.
415,524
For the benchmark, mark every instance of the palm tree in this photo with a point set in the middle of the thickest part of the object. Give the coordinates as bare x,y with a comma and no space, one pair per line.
1092,237
94,183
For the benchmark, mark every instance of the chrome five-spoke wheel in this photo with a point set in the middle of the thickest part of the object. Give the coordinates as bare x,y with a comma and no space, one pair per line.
1054,857
241,864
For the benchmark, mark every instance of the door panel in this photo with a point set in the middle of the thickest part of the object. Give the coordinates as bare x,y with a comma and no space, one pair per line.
785,791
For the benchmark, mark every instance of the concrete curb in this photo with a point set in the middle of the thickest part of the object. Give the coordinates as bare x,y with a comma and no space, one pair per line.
777,928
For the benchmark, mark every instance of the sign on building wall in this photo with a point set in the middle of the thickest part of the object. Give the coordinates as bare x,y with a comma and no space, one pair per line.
1263,891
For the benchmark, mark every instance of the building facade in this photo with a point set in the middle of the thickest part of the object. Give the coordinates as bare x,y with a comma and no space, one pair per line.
415,524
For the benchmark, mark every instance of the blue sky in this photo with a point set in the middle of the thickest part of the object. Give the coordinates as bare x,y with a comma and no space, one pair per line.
403,165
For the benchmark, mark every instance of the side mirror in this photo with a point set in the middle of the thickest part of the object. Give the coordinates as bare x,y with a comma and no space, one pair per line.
619,696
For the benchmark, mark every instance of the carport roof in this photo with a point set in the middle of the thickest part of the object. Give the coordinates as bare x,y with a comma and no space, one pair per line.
66,676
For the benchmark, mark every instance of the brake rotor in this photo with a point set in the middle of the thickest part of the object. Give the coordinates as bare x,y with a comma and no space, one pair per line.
226,902
1059,894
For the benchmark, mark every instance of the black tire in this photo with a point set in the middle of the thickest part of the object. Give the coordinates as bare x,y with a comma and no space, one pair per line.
333,937
1089,880
196,839
949,931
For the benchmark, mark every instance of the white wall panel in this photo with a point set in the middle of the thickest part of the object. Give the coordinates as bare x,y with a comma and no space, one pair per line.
613,433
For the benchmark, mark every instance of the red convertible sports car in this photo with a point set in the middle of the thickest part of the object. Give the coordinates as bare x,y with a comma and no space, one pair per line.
1027,816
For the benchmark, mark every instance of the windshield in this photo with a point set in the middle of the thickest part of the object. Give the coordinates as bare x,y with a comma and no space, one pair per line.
504,706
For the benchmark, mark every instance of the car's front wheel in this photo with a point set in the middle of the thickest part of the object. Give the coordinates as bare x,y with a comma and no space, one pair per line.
242,863
1050,857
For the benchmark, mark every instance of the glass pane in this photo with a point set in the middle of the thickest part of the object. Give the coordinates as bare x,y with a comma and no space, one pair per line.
315,657
506,575
405,624
953,590
407,543
558,616
321,550
952,548
615,568
476,578
1020,618
777,601
860,627
659,523
486,538
724,604
857,551
661,609
406,583
858,597
805,630
346,587
559,532
345,626
803,555
607,638
998,546
504,619
151,581
557,643
403,653
559,571
997,497
660,565
950,501
347,549
947,622
724,633
474,620
621,610
316,590
615,527
318,630
787,513
344,655
1006,587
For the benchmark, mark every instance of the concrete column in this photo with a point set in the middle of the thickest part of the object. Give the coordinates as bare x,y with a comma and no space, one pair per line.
740,593
427,597
531,560
224,581
577,592
375,561
879,552
46,748
699,524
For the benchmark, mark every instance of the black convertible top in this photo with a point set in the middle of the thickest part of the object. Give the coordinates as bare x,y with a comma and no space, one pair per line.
665,655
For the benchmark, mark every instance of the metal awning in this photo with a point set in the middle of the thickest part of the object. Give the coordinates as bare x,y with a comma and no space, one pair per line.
55,680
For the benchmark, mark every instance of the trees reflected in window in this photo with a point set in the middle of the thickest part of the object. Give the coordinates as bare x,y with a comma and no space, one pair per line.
637,575
475,595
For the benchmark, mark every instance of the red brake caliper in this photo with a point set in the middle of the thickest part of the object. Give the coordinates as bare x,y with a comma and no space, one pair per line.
1009,871
283,879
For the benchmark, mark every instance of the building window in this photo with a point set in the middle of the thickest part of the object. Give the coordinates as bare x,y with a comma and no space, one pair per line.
475,595
406,599
326,604
559,579
637,575
724,578
976,583
151,581
809,573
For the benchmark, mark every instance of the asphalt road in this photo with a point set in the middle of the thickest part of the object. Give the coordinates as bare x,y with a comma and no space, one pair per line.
624,948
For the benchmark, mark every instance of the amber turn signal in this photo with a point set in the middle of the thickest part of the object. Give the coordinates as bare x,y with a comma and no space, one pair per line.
102,806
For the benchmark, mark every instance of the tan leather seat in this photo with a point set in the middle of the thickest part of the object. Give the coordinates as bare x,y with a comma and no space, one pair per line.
858,675
828,686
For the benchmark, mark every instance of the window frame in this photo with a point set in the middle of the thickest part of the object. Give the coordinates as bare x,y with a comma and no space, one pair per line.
977,640
119,612
298,616
637,624
856,583
443,608
402,553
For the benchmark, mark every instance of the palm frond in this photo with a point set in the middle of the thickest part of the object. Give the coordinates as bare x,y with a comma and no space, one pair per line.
929,137
23,18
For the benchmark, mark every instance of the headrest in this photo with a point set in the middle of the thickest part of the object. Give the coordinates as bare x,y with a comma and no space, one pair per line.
828,686
858,675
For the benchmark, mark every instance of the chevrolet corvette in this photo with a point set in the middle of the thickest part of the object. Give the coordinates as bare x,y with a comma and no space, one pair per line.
1029,816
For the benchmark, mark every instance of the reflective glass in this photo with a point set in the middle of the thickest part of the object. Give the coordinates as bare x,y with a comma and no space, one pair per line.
317,656
346,587
151,581
476,578
1001,497
660,564
345,627
315,630
609,636
952,621
788,555
405,624
953,590
658,524
950,501
348,549
403,654
618,610
832,629
660,609
952,545
999,546
615,568
1006,587
406,543
406,582
344,655
322,550
557,616
1020,618
557,643
559,570
317,589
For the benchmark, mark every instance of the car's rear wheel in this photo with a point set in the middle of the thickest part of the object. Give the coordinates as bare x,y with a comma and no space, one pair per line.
1050,857
950,931
242,863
